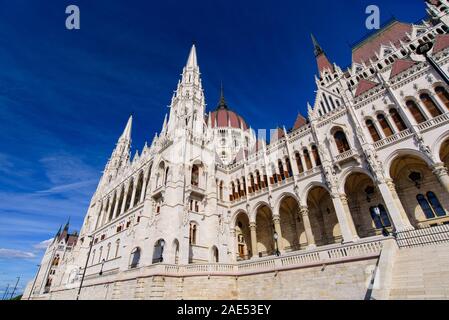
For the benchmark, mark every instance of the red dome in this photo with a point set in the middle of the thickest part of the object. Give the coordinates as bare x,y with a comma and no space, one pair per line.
227,118
223,117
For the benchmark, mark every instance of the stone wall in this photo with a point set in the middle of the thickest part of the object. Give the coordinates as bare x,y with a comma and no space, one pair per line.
337,281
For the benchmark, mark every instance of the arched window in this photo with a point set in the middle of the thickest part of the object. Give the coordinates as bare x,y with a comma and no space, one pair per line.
252,187
384,125
135,258
138,190
215,256
195,175
341,141
158,252
259,181
221,190
384,216
193,233
372,130
281,170
232,196
100,254
307,159
415,111
436,205
289,167
93,257
316,155
443,95
117,247
400,124
299,162
167,171
430,105
239,189
108,251
56,260
425,206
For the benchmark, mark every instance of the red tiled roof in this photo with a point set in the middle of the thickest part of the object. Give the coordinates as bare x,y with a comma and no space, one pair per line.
392,33
300,121
400,65
323,63
220,118
364,86
441,43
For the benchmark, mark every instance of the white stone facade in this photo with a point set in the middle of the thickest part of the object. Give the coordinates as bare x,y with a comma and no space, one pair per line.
377,136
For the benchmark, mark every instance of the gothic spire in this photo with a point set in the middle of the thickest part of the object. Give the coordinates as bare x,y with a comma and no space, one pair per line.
126,135
321,58
222,103
192,61
66,227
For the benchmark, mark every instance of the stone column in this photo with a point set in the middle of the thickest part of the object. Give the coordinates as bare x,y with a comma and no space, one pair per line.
304,213
254,253
441,172
344,217
277,228
125,196
117,200
144,187
394,206
234,246
133,196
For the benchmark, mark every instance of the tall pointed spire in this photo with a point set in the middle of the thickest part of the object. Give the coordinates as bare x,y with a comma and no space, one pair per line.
66,227
317,48
127,132
192,61
321,58
222,103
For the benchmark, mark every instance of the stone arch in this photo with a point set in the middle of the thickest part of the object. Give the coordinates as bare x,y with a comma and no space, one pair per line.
363,197
253,212
322,216
214,254
243,239
414,180
308,188
264,230
440,146
175,251
281,197
293,235
236,214
399,153
348,172
158,251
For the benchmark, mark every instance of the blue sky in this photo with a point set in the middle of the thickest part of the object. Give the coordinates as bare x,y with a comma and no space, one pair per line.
65,96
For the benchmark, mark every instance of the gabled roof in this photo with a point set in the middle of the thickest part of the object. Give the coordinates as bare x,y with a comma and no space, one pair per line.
364,86
393,32
441,43
400,66
300,122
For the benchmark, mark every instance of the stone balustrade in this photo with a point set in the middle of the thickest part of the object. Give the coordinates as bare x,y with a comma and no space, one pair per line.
392,139
429,124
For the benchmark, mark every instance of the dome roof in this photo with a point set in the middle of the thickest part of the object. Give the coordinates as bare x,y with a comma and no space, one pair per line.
223,117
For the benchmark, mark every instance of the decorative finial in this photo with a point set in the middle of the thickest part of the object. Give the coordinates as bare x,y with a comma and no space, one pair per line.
222,104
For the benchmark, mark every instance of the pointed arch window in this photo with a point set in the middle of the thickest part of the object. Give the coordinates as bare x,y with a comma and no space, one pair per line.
193,233
117,247
289,167
299,162
195,175
372,130
316,156
259,181
430,105
380,221
425,206
281,170
341,141
252,187
307,159
400,124
167,171
443,95
436,205
221,190
415,111
135,258
384,125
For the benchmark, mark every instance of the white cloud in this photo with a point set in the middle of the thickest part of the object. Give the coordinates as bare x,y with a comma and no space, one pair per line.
43,244
15,254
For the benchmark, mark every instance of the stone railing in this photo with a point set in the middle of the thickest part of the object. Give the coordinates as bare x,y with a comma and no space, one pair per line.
345,155
422,237
392,139
331,254
429,124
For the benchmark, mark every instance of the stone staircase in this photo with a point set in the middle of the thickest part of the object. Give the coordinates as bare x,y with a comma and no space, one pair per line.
421,273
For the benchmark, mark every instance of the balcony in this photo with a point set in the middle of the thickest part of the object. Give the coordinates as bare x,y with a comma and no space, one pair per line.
347,155
158,192
196,190
435,122
392,139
